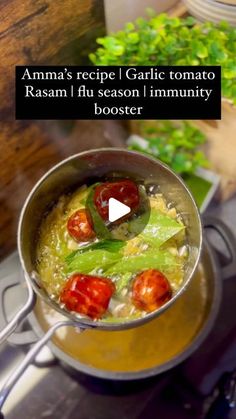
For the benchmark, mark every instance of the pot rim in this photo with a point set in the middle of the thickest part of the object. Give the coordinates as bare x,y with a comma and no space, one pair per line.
88,323
154,371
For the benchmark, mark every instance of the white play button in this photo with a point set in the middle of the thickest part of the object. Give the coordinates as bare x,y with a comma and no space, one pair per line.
116,210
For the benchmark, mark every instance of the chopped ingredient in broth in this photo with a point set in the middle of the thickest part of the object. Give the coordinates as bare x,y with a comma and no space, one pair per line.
89,266
147,346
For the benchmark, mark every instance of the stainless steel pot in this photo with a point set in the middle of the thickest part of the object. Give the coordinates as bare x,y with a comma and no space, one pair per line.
77,170
69,174
215,275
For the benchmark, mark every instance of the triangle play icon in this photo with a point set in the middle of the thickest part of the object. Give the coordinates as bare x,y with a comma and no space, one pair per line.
116,210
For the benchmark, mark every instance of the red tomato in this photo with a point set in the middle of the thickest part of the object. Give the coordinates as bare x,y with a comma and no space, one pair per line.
80,226
87,294
125,191
151,289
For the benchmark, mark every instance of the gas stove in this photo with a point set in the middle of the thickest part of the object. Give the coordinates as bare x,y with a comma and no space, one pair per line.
47,390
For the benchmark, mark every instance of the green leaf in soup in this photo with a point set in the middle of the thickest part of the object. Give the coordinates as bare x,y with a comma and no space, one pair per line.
109,245
159,229
88,261
99,225
69,258
155,259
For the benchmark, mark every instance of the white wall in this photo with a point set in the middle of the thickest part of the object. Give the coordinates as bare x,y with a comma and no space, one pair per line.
120,11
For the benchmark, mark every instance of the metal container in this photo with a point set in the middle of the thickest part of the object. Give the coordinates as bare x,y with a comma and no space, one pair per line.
76,171
71,173
214,276
211,10
118,13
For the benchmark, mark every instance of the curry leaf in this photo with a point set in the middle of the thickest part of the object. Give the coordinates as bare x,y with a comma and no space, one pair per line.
157,259
88,261
160,228
109,245
99,225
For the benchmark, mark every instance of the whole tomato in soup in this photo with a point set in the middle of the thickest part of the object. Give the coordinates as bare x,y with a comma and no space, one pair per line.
87,294
80,226
125,191
151,289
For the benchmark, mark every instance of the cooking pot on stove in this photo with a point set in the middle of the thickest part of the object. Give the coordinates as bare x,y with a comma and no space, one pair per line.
82,168
72,171
213,276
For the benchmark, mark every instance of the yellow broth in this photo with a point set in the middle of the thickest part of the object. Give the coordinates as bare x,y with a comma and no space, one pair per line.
55,245
147,346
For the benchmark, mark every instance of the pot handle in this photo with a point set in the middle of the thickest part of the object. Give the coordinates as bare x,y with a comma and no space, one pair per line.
8,328
25,337
228,237
16,374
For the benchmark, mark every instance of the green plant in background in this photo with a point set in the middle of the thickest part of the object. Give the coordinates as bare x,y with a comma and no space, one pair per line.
164,40
176,144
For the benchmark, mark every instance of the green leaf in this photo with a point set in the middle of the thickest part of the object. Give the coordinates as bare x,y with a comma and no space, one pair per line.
159,229
118,50
224,25
109,245
129,26
93,57
88,261
181,163
157,259
98,223
164,40
230,71
133,37
189,21
175,146
194,61
200,49
217,52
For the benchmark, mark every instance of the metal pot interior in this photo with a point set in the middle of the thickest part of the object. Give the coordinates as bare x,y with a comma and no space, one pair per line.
92,165
146,350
